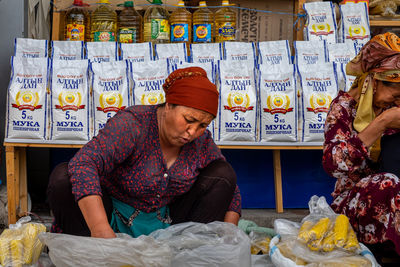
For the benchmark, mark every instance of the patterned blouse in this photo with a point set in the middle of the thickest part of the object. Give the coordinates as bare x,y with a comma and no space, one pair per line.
345,156
125,158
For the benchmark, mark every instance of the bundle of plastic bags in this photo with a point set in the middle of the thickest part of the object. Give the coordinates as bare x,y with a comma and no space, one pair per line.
19,244
383,7
213,244
69,250
323,239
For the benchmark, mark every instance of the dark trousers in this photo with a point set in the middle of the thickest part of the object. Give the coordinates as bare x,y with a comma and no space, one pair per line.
207,200
390,154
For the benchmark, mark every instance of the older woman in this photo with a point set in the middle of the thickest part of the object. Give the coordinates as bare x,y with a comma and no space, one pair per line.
354,126
149,167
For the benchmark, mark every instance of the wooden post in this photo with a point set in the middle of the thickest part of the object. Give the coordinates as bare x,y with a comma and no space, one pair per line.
278,180
23,183
298,31
10,166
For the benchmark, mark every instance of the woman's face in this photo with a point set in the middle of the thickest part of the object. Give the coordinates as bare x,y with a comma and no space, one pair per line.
184,124
386,94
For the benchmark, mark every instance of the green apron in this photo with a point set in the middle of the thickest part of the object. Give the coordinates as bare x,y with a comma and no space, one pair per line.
131,221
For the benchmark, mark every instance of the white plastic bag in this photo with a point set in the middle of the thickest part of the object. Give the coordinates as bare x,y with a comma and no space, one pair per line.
215,244
74,251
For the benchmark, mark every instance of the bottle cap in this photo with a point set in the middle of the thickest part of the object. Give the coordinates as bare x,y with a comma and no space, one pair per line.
202,4
225,2
104,1
156,2
128,4
181,3
78,3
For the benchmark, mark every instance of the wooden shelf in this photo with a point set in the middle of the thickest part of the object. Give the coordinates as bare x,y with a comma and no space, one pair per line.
384,23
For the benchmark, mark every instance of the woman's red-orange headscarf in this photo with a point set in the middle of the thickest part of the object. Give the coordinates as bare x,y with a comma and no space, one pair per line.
190,87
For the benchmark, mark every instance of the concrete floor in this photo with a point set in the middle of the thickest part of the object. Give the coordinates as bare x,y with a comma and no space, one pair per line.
266,217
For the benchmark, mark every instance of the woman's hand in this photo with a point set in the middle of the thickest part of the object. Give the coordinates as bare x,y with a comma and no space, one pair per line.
95,216
102,231
391,118
232,217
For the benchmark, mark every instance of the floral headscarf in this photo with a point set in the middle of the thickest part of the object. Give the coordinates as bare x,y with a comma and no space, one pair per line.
378,59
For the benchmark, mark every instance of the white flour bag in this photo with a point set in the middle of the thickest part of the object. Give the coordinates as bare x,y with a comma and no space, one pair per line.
27,98
239,51
341,52
148,78
354,24
273,53
208,67
102,51
310,53
137,52
207,52
347,80
321,22
67,50
174,53
110,87
30,48
238,101
278,99
320,86
69,112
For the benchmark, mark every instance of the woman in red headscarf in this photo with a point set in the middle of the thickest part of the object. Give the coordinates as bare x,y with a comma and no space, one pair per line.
151,166
354,126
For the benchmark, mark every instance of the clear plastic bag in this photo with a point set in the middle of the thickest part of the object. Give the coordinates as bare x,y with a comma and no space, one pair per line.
19,244
259,243
323,236
213,244
69,250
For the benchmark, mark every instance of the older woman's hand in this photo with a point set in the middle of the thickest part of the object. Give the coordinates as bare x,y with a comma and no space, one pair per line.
391,118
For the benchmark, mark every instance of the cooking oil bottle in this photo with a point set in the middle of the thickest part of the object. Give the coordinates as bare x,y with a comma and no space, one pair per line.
104,23
156,25
129,24
181,25
203,24
77,22
225,23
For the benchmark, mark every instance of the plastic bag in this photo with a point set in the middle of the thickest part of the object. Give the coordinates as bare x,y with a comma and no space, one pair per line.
323,236
69,250
19,244
259,243
383,7
213,244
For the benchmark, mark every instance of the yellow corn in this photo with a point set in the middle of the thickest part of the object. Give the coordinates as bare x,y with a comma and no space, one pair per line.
4,247
352,242
340,230
314,245
328,243
32,245
16,248
319,229
304,232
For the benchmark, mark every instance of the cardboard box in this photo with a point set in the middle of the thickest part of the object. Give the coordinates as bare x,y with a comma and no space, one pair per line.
260,26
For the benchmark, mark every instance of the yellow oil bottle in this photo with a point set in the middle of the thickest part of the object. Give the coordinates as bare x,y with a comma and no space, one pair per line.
129,24
225,23
181,25
77,22
156,26
104,23
203,24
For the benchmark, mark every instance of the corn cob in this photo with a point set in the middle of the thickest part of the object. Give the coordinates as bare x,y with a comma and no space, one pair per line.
340,230
328,243
304,232
314,245
352,242
17,250
4,247
319,229
32,245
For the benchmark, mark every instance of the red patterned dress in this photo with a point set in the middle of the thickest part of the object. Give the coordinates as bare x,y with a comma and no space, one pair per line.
370,199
